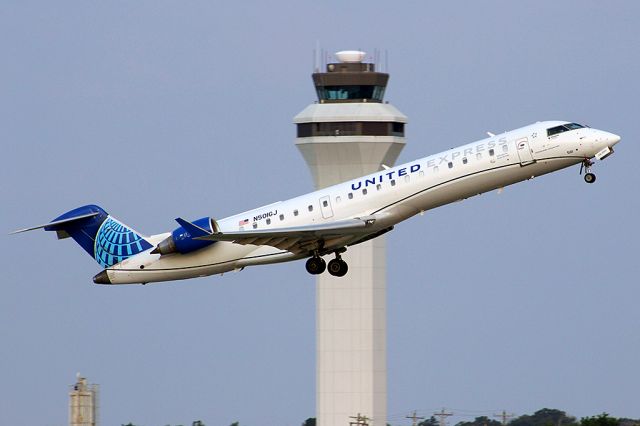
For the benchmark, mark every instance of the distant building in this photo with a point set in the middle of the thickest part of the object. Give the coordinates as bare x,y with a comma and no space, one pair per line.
83,403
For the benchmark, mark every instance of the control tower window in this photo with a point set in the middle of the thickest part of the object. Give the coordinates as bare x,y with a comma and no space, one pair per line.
351,128
355,92
397,129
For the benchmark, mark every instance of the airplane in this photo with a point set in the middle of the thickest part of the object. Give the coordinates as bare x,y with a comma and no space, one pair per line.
328,221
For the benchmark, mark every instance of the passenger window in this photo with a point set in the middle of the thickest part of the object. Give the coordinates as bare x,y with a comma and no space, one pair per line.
393,182
255,225
364,191
407,178
378,187
505,148
350,196
295,212
325,203
268,221
479,156
421,174
491,152
338,199
310,207
281,217
450,165
464,160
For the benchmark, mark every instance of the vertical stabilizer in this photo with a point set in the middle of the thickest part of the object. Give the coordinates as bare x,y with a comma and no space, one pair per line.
104,237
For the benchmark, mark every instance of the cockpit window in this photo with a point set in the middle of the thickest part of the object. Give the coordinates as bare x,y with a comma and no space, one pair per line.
555,130
563,128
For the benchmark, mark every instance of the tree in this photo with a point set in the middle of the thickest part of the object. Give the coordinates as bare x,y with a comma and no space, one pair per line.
311,421
628,422
545,417
431,421
235,424
599,420
481,421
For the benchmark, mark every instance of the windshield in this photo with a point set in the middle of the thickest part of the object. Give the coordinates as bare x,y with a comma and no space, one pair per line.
563,128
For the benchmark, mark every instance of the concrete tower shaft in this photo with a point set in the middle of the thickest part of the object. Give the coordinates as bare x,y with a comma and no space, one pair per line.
348,133
83,403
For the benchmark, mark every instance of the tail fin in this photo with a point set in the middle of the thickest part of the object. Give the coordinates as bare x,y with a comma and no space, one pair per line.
106,239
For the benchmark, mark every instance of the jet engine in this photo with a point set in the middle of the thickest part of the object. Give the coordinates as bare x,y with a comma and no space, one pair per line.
182,239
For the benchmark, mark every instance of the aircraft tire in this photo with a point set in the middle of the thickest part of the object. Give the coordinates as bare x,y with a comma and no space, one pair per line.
338,267
589,178
315,265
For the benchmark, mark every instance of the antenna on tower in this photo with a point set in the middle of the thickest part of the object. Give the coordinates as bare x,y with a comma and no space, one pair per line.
359,420
386,61
504,417
442,417
414,418
316,57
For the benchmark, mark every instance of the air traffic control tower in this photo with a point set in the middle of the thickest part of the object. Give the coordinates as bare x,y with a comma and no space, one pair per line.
350,132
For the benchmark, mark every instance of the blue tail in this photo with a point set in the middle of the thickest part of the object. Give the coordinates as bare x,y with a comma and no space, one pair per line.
106,239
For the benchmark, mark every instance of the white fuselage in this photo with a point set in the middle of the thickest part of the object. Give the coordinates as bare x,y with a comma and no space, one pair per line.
393,195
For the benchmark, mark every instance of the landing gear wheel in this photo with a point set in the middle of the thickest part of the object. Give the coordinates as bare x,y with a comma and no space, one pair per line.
316,265
338,267
586,166
589,178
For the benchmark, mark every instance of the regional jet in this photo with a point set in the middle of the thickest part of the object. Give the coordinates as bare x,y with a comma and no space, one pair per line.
328,221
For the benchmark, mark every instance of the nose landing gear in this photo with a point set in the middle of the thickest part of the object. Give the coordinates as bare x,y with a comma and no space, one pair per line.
586,166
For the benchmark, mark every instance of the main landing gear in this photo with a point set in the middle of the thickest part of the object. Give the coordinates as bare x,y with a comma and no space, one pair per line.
586,165
337,267
316,265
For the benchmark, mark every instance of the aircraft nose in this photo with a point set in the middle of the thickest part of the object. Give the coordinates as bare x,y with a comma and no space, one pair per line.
613,138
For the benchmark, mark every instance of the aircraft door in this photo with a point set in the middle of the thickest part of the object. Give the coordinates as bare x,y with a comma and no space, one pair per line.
524,151
325,207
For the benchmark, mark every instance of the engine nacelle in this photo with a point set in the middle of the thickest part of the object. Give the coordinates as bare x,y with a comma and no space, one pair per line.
182,241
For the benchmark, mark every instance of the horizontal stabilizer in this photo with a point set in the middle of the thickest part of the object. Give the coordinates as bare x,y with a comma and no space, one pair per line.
57,222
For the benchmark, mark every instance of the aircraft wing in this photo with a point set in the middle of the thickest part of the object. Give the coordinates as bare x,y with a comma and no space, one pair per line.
301,239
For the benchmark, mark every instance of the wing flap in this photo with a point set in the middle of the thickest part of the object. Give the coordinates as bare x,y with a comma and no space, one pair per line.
300,239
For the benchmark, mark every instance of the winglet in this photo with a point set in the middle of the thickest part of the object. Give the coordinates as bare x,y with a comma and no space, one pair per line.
491,134
193,229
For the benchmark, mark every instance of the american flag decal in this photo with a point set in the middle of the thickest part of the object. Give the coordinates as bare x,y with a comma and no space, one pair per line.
243,222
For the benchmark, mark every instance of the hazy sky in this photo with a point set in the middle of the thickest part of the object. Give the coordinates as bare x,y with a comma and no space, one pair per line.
160,109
